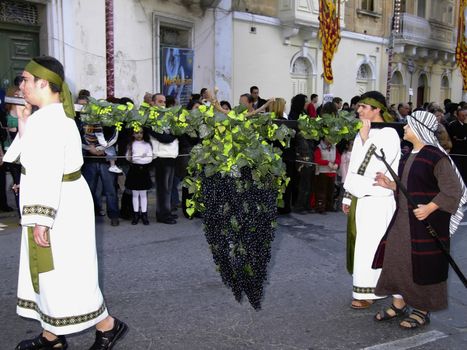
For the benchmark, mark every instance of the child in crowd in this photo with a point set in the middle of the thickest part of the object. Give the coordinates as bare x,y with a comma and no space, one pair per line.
328,159
94,135
110,152
138,180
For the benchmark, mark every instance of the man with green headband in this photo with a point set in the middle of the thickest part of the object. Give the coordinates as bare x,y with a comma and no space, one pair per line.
58,277
369,208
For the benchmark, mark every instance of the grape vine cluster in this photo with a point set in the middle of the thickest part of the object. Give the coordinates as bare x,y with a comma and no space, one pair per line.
239,224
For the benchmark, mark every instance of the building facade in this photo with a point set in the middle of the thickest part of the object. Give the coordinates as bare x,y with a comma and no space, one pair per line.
234,44
424,65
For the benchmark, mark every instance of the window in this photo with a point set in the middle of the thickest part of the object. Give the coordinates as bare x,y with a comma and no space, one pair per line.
302,66
364,78
368,5
174,37
18,12
445,90
364,72
397,89
421,6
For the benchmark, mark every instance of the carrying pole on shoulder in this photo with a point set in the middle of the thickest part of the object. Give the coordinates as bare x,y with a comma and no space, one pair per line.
431,231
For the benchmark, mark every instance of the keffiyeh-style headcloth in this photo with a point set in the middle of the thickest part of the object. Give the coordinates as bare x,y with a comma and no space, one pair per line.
42,72
387,117
425,125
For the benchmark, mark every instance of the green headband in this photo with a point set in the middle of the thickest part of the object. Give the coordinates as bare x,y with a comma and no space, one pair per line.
387,117
43,73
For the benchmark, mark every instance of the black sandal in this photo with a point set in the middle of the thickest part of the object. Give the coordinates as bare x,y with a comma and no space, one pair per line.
41,343
385,315
421,320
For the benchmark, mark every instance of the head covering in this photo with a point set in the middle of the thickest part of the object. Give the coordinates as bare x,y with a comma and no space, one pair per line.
425,125
387,117
42,72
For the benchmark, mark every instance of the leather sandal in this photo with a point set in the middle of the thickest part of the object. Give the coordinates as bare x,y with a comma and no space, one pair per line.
390,313
41,343
107,339
418,321
361,304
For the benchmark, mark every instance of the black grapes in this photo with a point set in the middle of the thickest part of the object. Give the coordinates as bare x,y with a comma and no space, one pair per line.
239,227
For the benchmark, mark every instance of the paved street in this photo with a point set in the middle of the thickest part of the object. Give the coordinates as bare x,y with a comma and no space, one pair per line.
161,280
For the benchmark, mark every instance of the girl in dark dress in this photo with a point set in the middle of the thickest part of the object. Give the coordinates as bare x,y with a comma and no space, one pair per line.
138,180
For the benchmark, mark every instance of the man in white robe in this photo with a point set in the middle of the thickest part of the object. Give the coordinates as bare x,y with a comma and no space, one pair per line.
371,208
58,277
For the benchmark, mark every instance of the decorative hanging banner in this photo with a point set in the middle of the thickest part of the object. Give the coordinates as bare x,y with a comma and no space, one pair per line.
329,33
461,49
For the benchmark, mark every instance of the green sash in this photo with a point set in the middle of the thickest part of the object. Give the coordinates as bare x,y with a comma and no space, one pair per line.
351,234
40,259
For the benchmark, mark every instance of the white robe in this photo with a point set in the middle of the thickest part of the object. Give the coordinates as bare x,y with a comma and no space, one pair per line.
69,298
375,205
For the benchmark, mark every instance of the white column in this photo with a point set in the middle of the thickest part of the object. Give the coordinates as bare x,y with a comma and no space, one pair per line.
69,46
55,29
60,19
223,50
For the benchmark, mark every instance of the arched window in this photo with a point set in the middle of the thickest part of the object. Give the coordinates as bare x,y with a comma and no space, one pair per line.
445,89
397,90
364,78
396,78
422,90
302,67
364,72
301,72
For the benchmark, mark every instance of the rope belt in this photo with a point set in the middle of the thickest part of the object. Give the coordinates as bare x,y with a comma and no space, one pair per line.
75,175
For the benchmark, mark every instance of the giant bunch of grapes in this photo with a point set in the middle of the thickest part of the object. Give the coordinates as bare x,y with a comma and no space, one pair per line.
239,221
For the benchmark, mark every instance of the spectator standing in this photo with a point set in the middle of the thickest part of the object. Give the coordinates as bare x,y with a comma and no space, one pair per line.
403,110
138,179
311,108
457,130
186,144
328,160
96,168
338,102
165,151
258,102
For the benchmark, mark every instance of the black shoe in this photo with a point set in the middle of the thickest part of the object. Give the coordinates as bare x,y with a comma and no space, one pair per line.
99,212
168,221
144,218
41,343
106,340
114,222
135,218
174,216
6,209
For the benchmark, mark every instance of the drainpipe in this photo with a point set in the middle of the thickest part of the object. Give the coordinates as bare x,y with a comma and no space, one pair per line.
109,48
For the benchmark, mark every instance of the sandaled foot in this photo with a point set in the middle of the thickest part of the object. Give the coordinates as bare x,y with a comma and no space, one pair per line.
41,343
361,304
391,312
415,320
106,340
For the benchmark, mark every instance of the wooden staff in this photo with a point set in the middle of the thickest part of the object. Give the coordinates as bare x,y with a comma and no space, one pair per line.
431,231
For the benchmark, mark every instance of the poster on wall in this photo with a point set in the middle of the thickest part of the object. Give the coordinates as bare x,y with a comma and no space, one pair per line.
177,73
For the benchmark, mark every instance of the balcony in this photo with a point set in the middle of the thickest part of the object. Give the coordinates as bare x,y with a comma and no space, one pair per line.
299,12
421,37
302,16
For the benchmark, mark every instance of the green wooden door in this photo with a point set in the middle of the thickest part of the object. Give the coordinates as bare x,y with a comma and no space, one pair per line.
18,44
